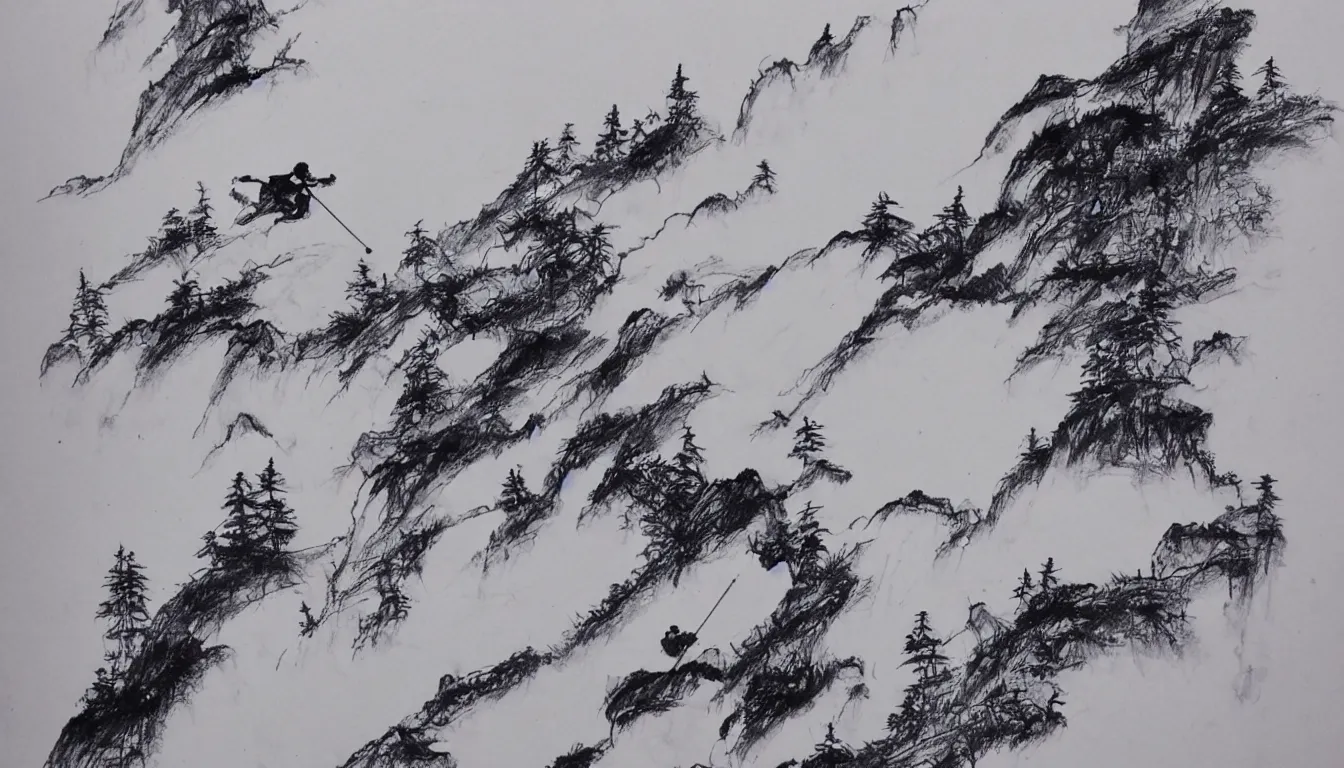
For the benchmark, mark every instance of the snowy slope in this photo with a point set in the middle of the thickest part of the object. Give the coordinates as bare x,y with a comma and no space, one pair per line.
426,112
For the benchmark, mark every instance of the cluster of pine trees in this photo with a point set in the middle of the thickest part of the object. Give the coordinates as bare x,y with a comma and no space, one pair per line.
258,528
127,615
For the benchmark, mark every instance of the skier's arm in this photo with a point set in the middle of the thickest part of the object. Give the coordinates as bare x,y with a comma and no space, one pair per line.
249,179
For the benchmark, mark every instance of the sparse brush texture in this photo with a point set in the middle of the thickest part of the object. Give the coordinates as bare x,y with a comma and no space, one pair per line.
214,43
1109,221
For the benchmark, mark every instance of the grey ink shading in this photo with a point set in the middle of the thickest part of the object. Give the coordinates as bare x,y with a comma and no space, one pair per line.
825,59
1111,207
243,424
1005,694
154,662
214,44
1194,144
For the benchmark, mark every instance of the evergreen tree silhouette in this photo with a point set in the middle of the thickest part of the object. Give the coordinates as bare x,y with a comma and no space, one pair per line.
174,232
807,542
596,250
922,697
808,441
764,178
363,288
422,250
1272,82
566,150
1048,579
278,526
883,229
1268,526
612,139
424,395
242,529
1024,590
1227,97
125,610
515,495
204,235
831,752
690,457
681,101
539,168
88,317
184,299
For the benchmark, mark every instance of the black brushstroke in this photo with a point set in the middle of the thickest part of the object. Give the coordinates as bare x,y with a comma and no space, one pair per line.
826,59
1005,695
780,668
647,692
157,663
214,42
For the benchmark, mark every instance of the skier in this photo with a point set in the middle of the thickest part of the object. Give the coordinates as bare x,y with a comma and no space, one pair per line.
675,642
287,194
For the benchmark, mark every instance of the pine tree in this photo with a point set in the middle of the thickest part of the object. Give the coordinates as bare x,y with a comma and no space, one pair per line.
1033,442
515,495
1268,527
808,441
612,138
201,226
1022,593
243,528
680,101
539,168
1272,79
184,299
882,228
830,753
425,392
363,288
690,457
931,674
1048,579
807,543
125,609
103,689
597,250
1227,97
278,526
174,232
88,317
422,250
566,150
764,178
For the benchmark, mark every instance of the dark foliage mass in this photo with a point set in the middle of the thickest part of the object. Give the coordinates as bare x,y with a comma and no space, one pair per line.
1119,210
153,663
1112,214
1005,694
214,43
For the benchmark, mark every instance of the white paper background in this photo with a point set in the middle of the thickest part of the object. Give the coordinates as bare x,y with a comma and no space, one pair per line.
425,109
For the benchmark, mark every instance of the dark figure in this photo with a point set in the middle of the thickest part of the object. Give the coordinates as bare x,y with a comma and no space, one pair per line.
675,642
288,194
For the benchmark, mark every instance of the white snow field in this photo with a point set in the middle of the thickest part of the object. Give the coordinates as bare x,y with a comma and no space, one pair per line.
426,111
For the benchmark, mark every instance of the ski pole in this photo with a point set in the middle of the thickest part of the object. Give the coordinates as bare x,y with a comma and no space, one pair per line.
367,249
706,621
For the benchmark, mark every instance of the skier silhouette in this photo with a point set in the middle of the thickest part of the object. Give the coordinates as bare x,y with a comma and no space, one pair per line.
287,194
675,642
